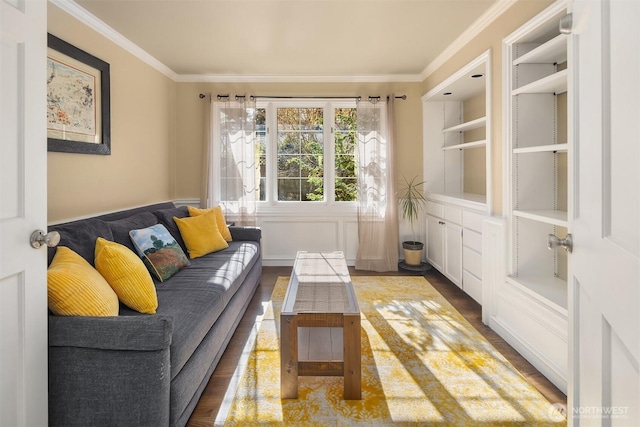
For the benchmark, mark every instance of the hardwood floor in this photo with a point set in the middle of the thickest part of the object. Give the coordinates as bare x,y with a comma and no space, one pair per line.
207,408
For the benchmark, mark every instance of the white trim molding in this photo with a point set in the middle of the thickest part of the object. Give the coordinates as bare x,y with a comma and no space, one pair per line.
494,12
84,16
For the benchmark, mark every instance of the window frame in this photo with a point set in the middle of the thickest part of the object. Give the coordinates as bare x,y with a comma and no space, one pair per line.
328,107
272,204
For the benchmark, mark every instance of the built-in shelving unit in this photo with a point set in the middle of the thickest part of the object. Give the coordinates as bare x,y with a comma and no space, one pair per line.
531,305
457,173
457,149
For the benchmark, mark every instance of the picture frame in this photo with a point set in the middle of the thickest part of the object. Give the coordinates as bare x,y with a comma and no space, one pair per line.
78,100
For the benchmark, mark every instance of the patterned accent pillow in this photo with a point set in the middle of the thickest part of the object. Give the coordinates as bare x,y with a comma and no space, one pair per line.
159,250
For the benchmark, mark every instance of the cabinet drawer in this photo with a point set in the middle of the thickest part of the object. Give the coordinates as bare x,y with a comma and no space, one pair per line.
472,221
453,214
435,209
472,240
472,286
472,261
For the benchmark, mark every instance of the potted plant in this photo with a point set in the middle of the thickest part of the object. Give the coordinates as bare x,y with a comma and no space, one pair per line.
412,202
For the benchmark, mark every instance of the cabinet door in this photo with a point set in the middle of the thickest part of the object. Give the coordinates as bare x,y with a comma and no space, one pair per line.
453,253
435,242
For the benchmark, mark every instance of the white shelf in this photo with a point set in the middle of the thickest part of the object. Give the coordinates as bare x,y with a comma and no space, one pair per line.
466,145
549,290
473,124
553,217
552,52
555,83
542,149
465,200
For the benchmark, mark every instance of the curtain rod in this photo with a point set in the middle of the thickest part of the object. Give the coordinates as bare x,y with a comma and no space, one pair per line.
357,98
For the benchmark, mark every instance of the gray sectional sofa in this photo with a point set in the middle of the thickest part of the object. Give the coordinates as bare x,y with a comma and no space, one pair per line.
148,370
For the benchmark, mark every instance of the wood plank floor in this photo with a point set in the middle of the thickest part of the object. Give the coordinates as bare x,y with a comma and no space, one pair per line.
207,409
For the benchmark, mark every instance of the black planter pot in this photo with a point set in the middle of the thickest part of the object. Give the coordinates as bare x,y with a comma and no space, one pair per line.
412,252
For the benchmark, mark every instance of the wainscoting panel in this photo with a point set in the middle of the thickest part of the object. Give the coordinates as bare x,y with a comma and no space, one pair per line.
282,238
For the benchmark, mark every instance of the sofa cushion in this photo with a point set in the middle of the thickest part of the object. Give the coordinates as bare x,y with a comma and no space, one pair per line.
165,217
159,250
220,221
127,275
80,237
75,288
201,234
120,228
196,296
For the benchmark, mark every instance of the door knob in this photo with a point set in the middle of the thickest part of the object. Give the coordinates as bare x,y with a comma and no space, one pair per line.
38,238
555,241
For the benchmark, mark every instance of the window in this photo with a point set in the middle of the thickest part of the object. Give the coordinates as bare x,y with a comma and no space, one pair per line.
345,139
304,160
300,154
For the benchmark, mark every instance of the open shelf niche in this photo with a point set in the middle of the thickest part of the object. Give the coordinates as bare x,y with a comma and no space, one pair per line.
456,119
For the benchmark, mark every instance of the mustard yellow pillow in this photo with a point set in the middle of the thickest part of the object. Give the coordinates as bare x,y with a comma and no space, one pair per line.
220,221
200,234
75,288
127,275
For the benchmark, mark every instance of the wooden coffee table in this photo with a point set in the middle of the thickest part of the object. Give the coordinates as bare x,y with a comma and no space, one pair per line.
320,324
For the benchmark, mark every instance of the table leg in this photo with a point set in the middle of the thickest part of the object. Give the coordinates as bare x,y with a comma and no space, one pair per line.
352,358
288,357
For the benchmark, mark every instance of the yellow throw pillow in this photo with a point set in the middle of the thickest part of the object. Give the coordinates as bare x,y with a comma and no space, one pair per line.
127,275
200,234
75,288
220,221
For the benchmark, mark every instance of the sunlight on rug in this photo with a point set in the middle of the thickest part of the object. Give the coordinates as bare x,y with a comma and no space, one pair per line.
422,364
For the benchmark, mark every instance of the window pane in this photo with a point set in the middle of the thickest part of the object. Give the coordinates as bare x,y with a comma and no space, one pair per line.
289,189
289,166
345,125
313,190
311,166
346,119
346,189
261,153
288,143
300,154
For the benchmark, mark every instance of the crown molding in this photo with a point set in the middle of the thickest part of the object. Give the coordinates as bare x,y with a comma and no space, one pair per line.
84,16
215,78
490,15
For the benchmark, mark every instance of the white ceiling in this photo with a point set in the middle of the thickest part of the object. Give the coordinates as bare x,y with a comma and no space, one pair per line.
271,38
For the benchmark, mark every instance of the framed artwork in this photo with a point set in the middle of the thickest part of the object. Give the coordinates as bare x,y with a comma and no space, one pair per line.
78,102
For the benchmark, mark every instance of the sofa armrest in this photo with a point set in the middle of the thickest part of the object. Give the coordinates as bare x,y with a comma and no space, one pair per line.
143,333
109,371
253,234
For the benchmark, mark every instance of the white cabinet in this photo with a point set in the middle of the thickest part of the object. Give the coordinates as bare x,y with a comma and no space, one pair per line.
454,245
453,252
530,307
435,242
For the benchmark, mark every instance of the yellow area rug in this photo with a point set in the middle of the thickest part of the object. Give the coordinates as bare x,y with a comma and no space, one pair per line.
422,364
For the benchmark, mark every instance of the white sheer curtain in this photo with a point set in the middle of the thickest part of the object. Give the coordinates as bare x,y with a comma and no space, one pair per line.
377,207
233,178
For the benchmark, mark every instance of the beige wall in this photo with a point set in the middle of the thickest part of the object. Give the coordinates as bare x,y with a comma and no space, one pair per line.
157,125
191,112
140,169
491,37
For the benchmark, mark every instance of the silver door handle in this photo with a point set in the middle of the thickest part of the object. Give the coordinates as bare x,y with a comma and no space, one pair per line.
554,242
38,238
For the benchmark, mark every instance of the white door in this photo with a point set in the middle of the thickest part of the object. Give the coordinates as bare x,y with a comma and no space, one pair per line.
605,269
23,208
